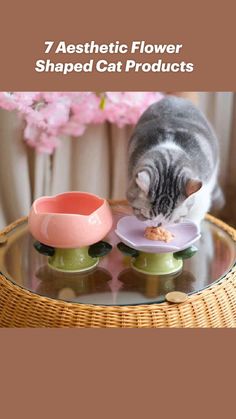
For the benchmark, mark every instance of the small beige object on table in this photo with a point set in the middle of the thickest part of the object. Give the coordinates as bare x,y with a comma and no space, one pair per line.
3,239
176,297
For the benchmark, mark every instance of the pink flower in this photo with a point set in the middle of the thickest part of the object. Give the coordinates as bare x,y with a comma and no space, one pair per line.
41,141
50,115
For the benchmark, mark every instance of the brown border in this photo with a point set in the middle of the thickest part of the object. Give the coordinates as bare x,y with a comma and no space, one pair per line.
198,26
58,374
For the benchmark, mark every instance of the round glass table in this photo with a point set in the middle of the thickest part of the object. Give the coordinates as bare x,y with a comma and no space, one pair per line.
113,282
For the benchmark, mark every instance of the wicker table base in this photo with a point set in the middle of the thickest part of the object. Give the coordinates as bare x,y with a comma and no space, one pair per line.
213,307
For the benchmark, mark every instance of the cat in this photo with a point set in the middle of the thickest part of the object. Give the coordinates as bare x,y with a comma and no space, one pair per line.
173,161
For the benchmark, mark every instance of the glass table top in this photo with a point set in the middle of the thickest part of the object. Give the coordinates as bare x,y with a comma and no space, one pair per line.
113,281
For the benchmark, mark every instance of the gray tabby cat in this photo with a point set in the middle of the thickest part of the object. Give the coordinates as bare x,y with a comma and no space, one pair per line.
173,163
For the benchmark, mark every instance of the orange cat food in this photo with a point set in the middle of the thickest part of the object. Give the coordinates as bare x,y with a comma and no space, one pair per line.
158,233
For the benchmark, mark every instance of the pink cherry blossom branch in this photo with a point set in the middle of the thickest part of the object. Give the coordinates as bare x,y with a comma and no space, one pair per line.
50,115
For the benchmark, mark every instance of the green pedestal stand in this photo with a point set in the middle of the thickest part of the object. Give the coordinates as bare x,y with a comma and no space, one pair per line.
74,260
156,263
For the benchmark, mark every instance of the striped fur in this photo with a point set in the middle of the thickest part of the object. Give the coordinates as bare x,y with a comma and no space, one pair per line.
173,163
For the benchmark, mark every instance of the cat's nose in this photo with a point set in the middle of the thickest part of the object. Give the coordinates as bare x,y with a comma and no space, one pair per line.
158,219
138,214
146,213
163,219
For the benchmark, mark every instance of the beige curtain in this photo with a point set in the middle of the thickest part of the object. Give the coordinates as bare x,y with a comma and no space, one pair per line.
95,162
15,191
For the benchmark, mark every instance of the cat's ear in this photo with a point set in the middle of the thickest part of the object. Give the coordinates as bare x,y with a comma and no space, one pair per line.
192,186
143,181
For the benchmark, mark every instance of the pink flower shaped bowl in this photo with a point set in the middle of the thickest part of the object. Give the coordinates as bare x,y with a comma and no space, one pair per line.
70,220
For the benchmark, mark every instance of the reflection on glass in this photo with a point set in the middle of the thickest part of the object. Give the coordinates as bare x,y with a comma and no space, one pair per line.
62,286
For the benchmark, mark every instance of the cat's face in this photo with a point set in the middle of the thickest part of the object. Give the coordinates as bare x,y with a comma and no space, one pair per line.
167,206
